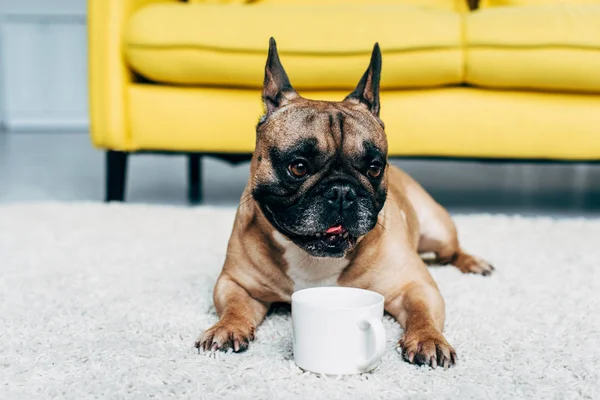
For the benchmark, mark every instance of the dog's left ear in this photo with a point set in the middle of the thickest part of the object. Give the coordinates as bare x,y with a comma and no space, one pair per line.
277,89
367,91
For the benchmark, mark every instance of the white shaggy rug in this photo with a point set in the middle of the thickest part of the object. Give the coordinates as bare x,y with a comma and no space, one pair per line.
105,301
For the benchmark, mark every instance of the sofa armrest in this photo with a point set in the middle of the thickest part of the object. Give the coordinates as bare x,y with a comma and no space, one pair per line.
109,75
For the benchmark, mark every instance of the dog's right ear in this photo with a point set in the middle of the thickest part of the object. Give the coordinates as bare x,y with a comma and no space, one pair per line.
277,89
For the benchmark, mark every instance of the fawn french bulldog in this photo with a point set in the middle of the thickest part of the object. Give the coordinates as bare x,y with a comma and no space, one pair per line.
323,207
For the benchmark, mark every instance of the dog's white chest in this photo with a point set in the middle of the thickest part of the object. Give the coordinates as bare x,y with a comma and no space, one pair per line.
306,271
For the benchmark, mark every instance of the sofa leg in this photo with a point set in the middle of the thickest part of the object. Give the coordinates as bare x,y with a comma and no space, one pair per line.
194,178
116,175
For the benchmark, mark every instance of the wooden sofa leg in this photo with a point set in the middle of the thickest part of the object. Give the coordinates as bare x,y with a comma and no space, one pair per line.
194,178
116,175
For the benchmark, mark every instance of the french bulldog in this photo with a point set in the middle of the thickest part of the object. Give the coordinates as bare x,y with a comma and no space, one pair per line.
324,207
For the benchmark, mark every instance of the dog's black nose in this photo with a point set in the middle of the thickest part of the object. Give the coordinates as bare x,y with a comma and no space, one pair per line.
340,195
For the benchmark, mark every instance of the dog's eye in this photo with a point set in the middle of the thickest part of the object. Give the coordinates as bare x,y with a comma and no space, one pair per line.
298,168
374,171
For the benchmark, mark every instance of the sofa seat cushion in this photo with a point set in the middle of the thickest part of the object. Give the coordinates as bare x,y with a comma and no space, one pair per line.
503,3
546,47
486,124
449,5
215,1
322,47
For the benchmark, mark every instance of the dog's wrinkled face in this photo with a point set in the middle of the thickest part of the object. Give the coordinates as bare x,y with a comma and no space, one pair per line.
318,172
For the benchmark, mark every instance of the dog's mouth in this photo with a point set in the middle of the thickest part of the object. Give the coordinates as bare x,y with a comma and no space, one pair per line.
332,236
334,242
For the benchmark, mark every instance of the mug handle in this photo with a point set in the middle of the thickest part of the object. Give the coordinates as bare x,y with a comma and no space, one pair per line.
377,326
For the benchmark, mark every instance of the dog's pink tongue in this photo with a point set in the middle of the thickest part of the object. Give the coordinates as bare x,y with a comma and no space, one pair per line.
334,229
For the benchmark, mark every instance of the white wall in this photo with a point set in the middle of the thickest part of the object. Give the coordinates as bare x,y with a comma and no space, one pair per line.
43,65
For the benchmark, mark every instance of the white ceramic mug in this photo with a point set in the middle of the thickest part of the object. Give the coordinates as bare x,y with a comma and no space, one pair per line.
337,330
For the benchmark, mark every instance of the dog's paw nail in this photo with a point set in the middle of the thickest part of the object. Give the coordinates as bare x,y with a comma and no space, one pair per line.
411,357
215,346
447,363
236,345
433,362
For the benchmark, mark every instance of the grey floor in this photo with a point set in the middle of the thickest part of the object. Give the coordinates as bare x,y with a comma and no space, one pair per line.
65,167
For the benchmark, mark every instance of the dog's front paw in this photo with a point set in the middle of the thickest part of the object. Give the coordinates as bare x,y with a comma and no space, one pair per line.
469,264
427,347
227,334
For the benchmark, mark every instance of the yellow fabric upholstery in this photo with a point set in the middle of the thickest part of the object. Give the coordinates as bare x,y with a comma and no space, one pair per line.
217,1
460,122
465,122
546,48
108,73
503,3
549,47
449,5
207,44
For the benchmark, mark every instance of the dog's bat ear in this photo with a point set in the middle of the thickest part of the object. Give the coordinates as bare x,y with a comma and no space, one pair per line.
367,91
277,89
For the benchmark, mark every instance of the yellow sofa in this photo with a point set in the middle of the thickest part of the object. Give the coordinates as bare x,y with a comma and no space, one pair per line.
514,79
